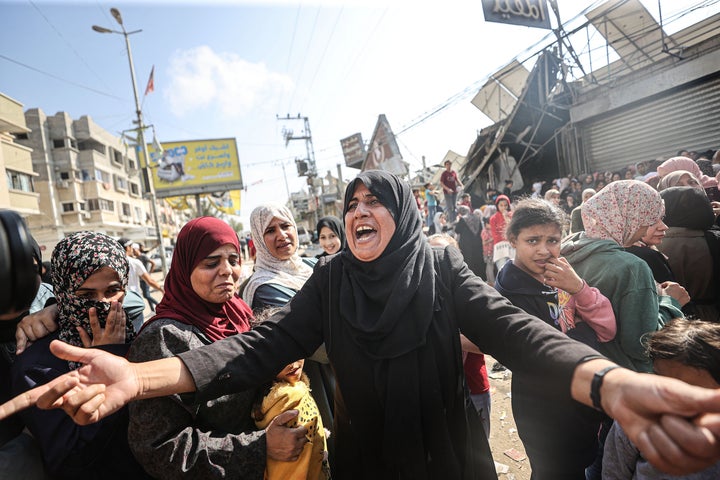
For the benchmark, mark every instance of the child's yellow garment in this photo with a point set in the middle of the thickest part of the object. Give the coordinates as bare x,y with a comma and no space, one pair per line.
282,397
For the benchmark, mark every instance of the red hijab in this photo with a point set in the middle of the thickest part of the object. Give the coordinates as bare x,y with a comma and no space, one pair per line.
198,239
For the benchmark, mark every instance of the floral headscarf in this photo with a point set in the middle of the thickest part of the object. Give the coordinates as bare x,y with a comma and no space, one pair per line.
74,260
291,273
621,208
685,163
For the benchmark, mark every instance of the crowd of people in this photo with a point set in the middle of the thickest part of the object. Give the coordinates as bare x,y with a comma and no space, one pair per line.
367,362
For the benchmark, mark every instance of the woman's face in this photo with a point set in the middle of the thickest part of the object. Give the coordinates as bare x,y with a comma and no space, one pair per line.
502,205
655,234
214,278
280,237
688,181
369,226
534,246
103,286
616,177
629,175
329,241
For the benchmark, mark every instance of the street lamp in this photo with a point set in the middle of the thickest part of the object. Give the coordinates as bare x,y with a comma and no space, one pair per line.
141,131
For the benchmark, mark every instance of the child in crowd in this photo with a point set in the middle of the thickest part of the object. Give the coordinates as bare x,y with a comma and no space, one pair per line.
544,284
291,390
688,350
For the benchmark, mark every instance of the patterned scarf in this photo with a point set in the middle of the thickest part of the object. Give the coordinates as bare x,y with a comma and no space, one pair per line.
620,209
74,260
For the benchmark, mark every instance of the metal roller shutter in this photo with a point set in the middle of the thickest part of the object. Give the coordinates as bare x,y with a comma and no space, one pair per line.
687,118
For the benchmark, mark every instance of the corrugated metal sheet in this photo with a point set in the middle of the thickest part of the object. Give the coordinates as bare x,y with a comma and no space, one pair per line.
684,119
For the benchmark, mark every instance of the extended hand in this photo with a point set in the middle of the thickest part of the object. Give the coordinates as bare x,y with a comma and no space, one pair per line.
100,387
657,415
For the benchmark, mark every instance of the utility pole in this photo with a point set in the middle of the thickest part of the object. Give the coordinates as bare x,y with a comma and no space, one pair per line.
306,168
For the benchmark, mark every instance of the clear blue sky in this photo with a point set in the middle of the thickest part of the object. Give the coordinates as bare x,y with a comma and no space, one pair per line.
226,69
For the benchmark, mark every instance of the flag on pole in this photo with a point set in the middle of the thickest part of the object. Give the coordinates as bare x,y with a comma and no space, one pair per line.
156,145
151,82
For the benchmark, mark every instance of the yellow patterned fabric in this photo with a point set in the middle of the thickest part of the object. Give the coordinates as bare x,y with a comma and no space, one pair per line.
312,463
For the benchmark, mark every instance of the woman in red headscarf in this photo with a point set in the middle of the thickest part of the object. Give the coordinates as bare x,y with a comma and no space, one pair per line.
178,436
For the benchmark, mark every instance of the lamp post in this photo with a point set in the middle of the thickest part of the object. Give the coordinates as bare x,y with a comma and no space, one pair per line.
141,132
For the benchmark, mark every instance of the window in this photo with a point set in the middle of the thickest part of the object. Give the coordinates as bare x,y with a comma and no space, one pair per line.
95,204
107,205
101,176
134,189
73,143
68,207
21,136
82,206
116,156
19,181
64,175
132,165
78,175
85,174
138,215
120,183
59,143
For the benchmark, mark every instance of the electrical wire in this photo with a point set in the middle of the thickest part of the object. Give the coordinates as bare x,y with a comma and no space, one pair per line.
70,82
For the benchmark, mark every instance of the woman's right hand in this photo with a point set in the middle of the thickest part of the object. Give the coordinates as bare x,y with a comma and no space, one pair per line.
285,444
99,388
114,331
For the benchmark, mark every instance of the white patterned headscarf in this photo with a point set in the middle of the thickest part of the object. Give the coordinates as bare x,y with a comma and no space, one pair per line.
620,209
291,273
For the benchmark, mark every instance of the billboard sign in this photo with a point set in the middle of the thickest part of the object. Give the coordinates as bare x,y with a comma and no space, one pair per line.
528,13
193,167
353,150
383,153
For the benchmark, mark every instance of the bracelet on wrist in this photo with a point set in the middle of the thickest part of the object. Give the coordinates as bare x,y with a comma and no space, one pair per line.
596,384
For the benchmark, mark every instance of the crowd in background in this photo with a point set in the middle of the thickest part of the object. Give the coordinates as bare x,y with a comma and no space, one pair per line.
626,264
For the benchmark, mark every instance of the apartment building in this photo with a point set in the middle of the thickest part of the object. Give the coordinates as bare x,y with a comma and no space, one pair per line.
87,179
18,192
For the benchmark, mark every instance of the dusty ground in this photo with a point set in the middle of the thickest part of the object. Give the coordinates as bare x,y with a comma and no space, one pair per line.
503,434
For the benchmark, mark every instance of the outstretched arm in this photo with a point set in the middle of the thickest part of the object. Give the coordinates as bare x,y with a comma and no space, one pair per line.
103,385
665,418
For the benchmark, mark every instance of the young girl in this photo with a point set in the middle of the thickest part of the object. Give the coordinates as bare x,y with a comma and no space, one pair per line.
331,235
688,350
502,251
291,390
544,284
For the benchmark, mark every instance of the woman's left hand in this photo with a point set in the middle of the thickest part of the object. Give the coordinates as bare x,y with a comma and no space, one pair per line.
114,331
559,274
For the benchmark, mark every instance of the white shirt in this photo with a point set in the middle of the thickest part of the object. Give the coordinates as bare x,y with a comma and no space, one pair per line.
136,271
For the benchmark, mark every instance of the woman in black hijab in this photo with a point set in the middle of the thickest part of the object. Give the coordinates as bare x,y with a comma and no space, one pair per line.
331,235
692,246
389,309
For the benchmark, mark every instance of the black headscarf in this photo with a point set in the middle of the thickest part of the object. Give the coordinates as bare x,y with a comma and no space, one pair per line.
334,224
388,302
687,207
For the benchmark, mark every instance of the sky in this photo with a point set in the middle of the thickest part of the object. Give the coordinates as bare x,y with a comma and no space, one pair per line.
229,69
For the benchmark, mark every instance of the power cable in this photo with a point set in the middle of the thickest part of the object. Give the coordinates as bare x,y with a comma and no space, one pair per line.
61,79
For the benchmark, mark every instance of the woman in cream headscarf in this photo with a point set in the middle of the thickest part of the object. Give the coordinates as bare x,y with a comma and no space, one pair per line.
279,271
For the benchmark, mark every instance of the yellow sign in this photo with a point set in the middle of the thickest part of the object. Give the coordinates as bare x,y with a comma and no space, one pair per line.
194,166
